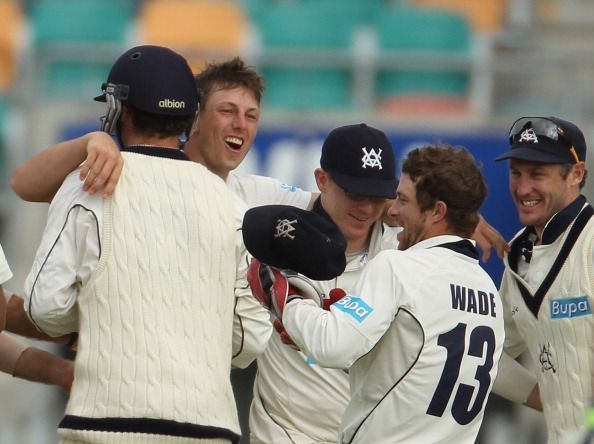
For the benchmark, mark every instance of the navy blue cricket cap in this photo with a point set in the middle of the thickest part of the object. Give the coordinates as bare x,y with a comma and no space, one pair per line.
288,237
545,140
360,159
155,80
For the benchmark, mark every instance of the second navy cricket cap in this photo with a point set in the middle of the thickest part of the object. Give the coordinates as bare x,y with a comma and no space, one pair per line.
155,80
545,140
360,159
288,237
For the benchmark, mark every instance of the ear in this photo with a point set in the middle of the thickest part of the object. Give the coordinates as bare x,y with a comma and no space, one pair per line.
322,179
439,211
577,173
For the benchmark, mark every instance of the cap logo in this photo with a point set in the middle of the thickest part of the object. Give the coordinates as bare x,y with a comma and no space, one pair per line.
284,228
372,158
170,103
528,135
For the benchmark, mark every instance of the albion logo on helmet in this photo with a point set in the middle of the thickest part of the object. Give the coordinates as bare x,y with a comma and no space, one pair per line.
170,103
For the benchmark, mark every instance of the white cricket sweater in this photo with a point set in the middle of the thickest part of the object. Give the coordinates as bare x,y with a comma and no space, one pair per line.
154,353
559,339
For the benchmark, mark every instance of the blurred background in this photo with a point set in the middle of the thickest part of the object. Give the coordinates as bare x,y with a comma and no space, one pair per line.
458,71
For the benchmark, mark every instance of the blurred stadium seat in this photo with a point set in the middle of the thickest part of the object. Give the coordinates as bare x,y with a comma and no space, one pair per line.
485,16
11,22
74,43
3,113
306,54
364,10
201,30
424,60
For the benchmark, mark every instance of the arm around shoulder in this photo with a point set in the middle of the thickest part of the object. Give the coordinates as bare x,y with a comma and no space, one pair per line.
39,178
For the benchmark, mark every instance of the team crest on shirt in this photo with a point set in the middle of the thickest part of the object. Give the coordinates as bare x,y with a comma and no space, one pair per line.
570,307
372,158
545,358
357,308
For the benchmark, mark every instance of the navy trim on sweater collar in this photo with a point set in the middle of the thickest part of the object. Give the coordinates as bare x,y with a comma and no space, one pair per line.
156,151
560,221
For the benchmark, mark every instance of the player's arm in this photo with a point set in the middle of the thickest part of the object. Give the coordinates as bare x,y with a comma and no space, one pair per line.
65,260
33,364
533,401
2,309
252,326
489,238
39,179
18,322
516,383
485,235
353,325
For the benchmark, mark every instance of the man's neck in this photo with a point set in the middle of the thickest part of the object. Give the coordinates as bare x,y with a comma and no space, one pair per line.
359,245
162,142
195,156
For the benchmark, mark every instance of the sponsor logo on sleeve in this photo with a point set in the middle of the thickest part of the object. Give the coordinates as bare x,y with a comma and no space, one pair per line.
289,188
570,307
355,307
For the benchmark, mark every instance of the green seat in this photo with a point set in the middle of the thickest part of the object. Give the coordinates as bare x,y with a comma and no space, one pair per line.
76,41
305,60
418,36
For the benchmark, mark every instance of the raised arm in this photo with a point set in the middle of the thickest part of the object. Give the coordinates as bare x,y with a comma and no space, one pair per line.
40,177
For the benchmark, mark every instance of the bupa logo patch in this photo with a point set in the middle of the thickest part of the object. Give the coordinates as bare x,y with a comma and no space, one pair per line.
355,307
570,307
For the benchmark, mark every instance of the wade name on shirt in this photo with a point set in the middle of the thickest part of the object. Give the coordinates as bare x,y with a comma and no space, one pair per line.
472,300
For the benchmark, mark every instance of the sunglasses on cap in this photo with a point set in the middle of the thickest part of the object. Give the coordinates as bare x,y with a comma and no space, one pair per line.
541,127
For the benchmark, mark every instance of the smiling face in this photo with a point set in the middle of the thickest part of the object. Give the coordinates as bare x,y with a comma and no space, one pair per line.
539,190
354,215
406,213
226,128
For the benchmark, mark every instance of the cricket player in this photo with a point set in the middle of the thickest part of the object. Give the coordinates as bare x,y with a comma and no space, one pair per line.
421,332
548,282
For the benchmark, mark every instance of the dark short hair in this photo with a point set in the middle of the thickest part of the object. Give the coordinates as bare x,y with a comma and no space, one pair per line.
566,168
229,74
450,174
149,124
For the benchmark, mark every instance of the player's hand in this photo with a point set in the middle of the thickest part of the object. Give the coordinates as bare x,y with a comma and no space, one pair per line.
269,285
2,309
103,166
334,295
488,237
